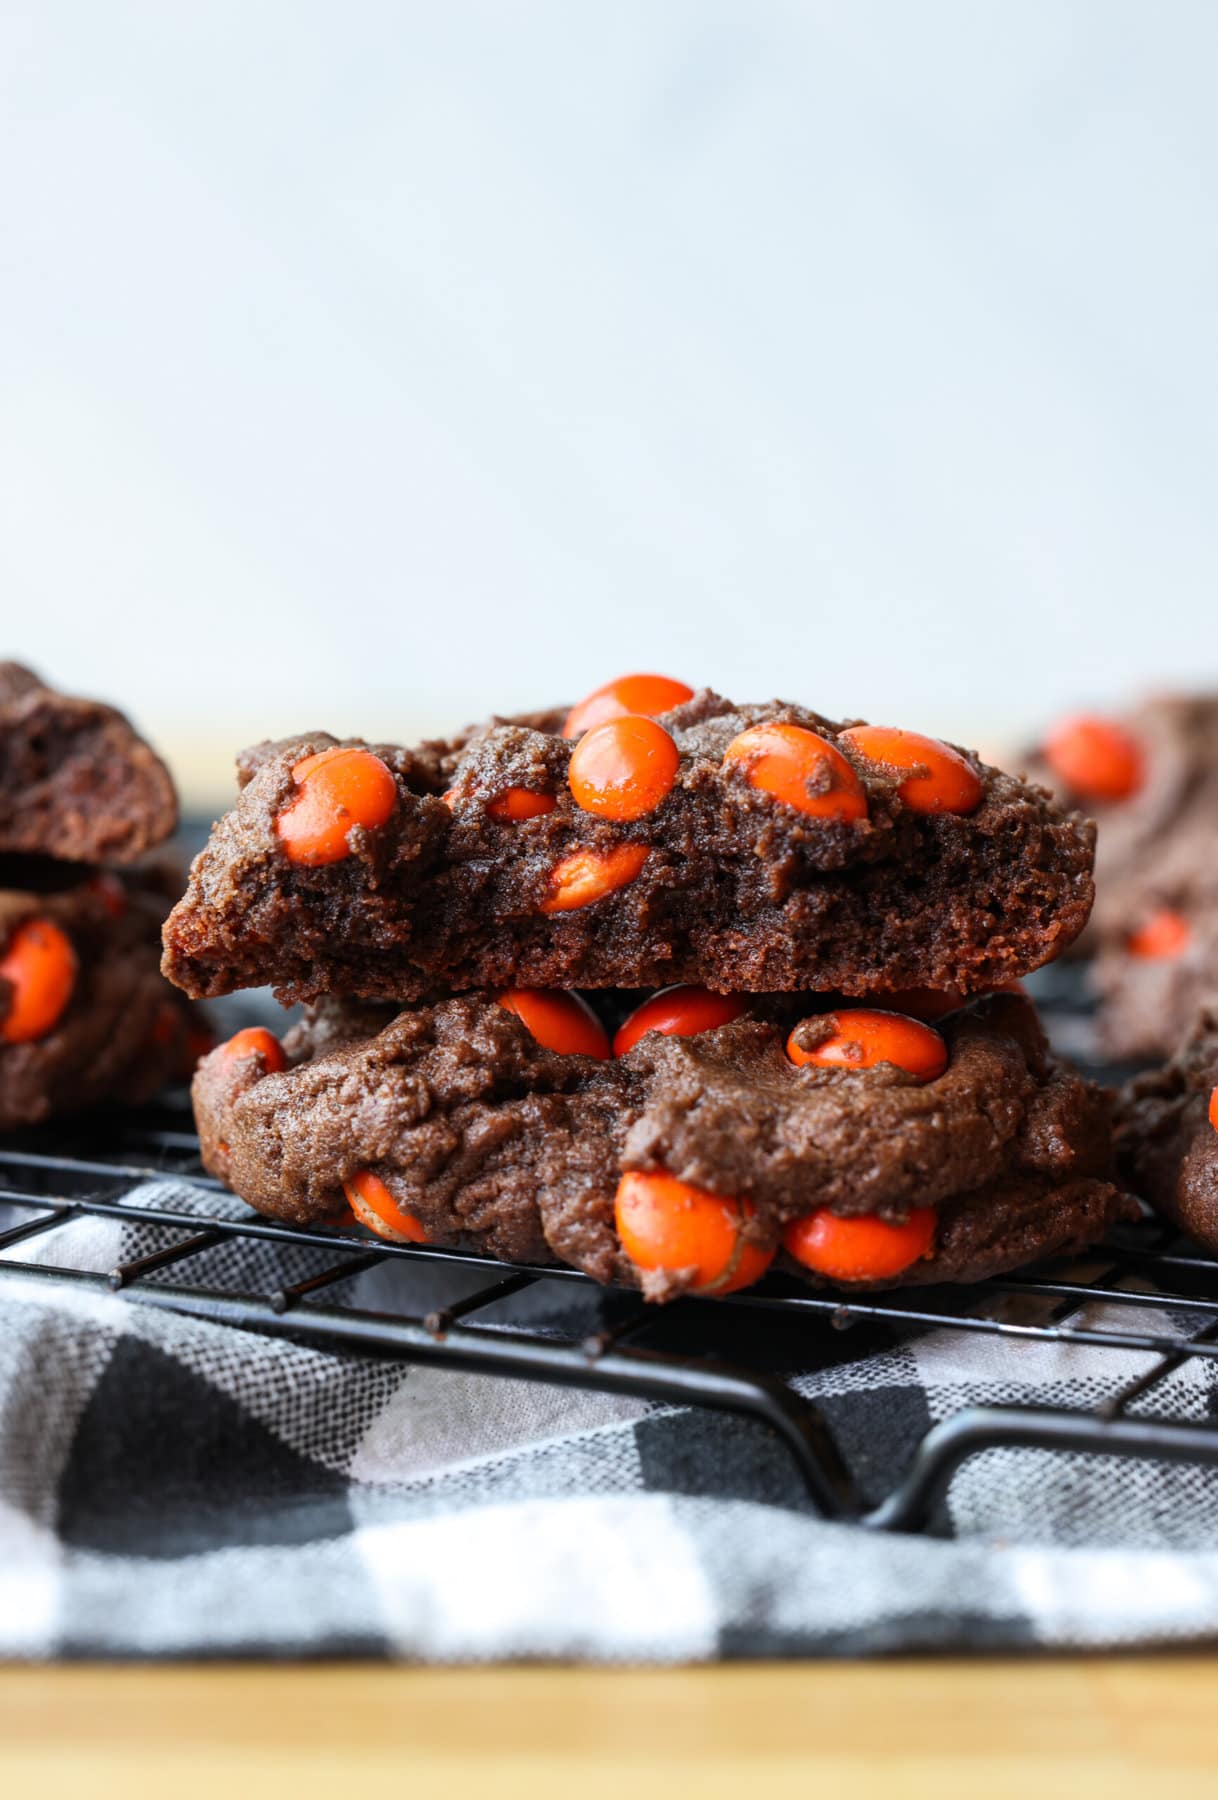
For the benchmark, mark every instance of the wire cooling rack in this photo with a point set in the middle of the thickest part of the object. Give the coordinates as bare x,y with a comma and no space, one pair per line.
724,1354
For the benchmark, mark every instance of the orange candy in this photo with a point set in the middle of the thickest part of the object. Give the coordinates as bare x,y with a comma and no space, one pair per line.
40,967
623,770
559,1021
863,1249
1214,1109
647,694
1165,934
339,788
801,769
942,782
663,1223
517,803
678,1012
255,1040
586,876
375,1207
1097,759
512,805
863,1039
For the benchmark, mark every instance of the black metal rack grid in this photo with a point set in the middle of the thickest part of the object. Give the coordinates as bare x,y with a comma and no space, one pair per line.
719,1354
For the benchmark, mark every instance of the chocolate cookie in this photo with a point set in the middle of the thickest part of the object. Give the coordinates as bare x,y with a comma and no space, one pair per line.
85,1015
1151,985
1151,780
1167,1143
451,1122
757,848
76,781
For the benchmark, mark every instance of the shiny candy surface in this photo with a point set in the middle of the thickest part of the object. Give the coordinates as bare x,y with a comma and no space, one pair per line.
559,1021
516,804
375,1207
340,788
666,1224
256,1040
941,779
39,965
587,876
862,1249
863,1039
648,694
623,770
801,769
679,1012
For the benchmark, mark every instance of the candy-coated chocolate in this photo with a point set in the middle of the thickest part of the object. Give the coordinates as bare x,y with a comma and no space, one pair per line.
941,780
667,1224
862,1038
339,789
39,964
680,1011
648,694
375,1207
623,770
862,1249
1097,759
587,876
800,768
517,803
559,1021
255,1040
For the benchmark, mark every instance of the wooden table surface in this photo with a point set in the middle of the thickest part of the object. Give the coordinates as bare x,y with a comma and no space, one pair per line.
986,1729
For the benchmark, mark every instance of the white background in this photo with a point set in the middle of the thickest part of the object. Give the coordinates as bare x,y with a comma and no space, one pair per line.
375,365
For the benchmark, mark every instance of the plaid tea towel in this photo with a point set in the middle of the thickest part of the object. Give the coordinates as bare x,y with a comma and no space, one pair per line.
176,1487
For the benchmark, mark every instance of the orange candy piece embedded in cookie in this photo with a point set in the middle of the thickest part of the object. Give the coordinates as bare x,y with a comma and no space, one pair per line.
800,768
1214,1109
863,1249
1097,759
255,1040
558,1021
679,1012
941,779
339,789
663,1223
623,770
587,876
39,965
647,694
864,1039
375,1207
513,805
517,803
1164,935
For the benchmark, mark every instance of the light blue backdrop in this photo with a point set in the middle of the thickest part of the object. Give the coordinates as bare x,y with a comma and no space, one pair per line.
374,365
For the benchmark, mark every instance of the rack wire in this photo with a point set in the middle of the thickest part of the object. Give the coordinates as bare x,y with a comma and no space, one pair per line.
724,1354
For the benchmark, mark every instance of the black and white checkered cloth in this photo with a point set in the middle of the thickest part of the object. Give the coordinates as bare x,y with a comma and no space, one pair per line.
170,1487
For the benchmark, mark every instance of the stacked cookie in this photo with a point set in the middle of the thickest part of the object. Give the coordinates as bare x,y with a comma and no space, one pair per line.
1151,782
475,924
85,1016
